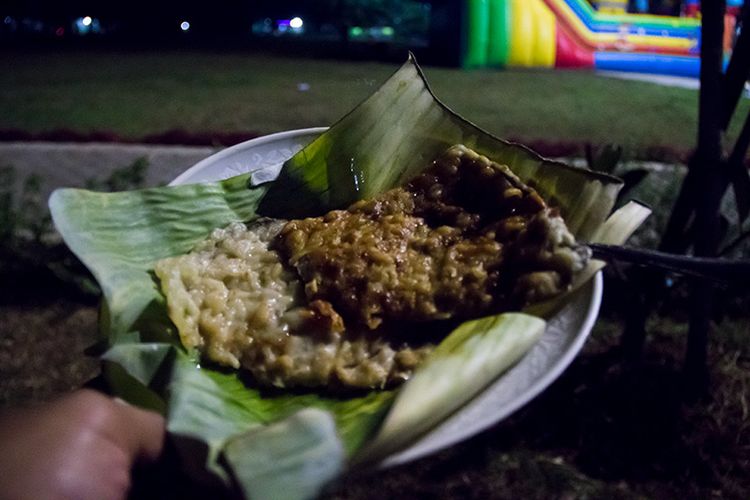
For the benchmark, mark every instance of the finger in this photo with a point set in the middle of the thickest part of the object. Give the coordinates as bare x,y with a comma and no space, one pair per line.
143,432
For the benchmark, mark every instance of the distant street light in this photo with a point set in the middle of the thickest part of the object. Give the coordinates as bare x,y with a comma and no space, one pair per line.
296,23
184,25
85,25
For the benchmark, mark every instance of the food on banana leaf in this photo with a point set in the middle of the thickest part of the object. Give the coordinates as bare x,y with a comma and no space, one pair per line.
382,144
359,297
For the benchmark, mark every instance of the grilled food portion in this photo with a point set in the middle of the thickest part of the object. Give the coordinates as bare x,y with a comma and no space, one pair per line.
354,298
463,239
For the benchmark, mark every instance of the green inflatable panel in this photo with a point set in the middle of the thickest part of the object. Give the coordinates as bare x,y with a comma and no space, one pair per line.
498,47
478,30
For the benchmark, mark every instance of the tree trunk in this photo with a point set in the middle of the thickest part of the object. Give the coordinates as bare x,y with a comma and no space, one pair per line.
710,183
694,220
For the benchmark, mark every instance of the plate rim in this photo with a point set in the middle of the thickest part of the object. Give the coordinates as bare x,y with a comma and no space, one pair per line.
225,153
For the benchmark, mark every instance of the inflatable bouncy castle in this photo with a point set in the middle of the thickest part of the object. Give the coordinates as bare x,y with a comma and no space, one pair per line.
572,34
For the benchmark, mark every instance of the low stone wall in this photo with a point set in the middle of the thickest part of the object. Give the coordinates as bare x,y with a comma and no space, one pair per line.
73,164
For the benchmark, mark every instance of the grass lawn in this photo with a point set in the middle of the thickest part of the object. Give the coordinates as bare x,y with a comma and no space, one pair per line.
138,93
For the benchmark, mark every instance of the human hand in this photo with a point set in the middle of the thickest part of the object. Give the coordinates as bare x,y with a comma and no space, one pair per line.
81,446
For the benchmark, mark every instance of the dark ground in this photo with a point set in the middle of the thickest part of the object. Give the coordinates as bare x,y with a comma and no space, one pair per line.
603,430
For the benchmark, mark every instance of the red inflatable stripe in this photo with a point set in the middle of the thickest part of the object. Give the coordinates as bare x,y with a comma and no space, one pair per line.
569,53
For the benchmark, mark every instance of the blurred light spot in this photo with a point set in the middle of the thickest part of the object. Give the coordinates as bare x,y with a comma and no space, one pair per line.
87,24
296,23
184,25
60,31
388,31
356,31
303,86
8,20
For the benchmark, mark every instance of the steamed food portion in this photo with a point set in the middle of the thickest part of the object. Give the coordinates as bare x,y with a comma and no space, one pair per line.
351,298
229,292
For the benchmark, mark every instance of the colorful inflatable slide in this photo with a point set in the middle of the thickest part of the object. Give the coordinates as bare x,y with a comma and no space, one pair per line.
571,34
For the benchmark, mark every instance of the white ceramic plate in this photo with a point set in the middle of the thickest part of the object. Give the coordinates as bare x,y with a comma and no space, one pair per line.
561,342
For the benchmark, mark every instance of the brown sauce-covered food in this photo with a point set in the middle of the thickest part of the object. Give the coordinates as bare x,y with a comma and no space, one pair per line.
463,239
353,298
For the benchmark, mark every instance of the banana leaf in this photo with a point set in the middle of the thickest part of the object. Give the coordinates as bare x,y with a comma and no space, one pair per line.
396,132
382,143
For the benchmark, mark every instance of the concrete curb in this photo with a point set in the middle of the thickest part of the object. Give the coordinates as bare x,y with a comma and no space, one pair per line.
72,164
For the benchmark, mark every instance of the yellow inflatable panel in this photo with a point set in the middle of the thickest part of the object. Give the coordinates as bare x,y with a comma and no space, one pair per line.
547,35
533,34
